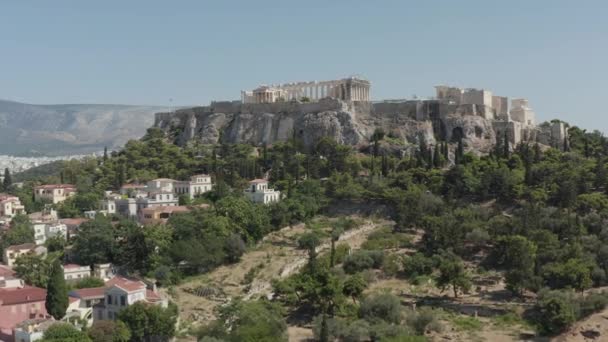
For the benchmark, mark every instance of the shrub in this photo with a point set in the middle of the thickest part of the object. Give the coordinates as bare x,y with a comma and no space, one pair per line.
363,260
556,311
381,307
418,265
391,265
422,320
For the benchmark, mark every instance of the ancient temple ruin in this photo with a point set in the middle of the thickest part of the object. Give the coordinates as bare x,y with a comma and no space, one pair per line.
347,89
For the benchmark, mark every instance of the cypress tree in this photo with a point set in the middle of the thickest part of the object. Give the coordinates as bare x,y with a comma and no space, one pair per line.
437,157
446,150
56,292
105,153
8,181
498,147
459,152
506,144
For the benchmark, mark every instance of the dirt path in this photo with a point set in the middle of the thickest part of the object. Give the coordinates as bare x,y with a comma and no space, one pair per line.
277,256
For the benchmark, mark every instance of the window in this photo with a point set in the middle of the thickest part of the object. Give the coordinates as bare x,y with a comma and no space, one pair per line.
123,300
109,300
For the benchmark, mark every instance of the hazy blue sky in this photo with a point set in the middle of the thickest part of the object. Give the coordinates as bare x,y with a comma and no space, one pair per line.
146,52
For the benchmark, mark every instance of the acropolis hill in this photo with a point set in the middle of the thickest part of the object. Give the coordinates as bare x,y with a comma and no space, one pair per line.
342,109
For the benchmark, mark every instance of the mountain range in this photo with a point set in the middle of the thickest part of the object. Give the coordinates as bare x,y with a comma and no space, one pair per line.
66,129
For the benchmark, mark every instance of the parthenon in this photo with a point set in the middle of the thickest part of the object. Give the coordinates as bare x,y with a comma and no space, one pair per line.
347,89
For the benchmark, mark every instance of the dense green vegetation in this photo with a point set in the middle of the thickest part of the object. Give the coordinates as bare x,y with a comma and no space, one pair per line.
535,214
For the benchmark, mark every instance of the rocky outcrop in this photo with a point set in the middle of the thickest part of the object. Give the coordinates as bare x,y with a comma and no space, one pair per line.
406,123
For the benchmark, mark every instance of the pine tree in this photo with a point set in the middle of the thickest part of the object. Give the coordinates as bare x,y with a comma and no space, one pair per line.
8,181
56,292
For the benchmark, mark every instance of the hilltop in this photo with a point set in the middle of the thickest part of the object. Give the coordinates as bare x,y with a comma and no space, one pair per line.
62,129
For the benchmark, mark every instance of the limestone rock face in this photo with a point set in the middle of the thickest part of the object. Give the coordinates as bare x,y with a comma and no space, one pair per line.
351,124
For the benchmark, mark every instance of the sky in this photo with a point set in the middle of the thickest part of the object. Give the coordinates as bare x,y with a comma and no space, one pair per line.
191,52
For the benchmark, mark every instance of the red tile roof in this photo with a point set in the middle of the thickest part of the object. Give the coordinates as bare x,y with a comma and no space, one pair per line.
90,293
23,295
56,186
73,221
5,271
126,284
21,247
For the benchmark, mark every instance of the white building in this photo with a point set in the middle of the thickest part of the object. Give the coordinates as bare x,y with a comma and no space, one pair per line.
157,199
11,253
198,184
74,272
9,207
258,192
45,230
521,112
160,185
122,292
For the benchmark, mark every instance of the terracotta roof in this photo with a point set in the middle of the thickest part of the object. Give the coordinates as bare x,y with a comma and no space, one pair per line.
7,197
90,293
257,181
163,180
126,284
21,247
56,186
23,295
152,296
5,272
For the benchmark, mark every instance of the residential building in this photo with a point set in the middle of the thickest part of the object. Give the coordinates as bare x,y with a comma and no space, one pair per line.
32,330
121,292
131,189
9,207
198,184
11,253
18,305
258,192
160,185
75,272
45,230
54,193
157,199
127,207
73,224
103,271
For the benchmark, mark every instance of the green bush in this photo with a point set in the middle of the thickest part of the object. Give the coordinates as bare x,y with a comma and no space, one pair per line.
363,260
381,307
418,265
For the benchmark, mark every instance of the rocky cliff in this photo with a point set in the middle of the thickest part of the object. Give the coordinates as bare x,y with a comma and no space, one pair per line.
407,123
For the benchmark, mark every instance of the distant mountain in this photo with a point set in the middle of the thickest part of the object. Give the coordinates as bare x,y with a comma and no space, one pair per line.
63,129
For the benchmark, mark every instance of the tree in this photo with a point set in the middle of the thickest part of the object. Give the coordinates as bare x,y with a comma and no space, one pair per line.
8,180
335,236
556,312
148,322
354,287
20,232
33,269
459,156
249,321
518,256
109,331
383,306
56,292
452,273
64,332
95,242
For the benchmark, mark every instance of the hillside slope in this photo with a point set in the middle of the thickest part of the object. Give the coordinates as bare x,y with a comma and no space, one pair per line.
70,128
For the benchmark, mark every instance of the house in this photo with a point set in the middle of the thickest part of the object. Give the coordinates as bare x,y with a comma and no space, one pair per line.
18,305
73,224
54,193
9,207
75,272
32,330
121,292
258,192
45,230
156,199
131,189
8,278
11,253
103,271
198,184
160,185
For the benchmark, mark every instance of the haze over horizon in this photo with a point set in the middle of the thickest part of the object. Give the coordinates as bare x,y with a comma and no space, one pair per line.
158,53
